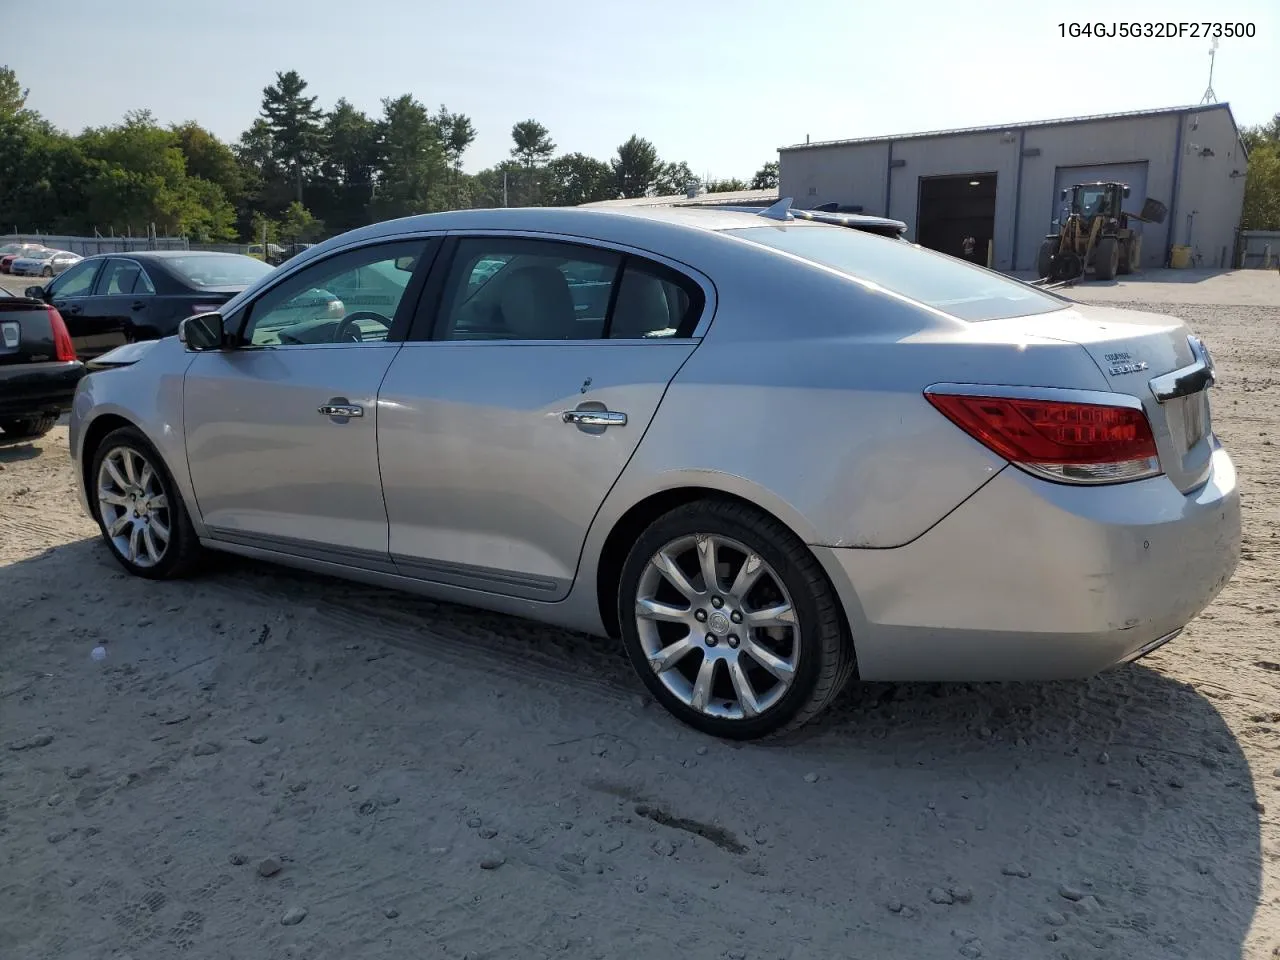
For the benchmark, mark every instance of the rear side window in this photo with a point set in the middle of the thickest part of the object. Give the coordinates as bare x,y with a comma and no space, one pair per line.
653,302
961,289
123,277
218,270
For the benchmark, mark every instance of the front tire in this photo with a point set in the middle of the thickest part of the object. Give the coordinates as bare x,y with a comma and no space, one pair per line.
139,509
47,272
731,622
27,428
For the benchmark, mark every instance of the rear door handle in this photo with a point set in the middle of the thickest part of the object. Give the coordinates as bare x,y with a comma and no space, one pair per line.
341,410
595,418
139,304
71,309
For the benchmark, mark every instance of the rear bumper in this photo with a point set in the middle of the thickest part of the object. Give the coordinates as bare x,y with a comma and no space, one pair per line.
1030,580
38,389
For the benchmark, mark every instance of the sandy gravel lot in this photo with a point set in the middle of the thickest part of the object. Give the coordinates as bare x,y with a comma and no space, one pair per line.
412,779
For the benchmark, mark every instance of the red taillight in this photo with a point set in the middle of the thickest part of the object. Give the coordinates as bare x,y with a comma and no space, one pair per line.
1065,441
61,338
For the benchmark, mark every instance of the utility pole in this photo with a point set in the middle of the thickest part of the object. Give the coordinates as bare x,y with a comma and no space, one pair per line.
504,188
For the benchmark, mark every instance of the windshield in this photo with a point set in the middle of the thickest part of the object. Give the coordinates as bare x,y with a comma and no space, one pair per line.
214,270
1093,201
963,290
42,254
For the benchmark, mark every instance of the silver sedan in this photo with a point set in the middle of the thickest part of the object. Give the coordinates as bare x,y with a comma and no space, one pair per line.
765,454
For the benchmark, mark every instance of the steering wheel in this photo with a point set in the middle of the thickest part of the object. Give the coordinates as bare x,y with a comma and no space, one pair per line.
348,332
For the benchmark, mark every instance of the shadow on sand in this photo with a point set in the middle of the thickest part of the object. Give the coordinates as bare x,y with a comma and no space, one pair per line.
1111,817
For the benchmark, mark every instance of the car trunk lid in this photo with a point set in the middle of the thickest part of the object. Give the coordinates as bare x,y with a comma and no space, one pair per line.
1153,357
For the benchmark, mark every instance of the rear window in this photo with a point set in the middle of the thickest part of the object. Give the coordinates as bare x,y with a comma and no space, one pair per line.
961,289
218,271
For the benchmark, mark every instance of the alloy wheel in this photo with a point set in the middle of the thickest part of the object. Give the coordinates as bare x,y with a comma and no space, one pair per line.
134,507
717,626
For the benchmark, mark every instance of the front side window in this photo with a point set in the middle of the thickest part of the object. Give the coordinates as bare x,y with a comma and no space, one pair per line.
349,298
75,282
965,291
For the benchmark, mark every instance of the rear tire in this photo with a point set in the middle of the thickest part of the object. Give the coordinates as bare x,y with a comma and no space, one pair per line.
1132,255
794,661
1107,259
28,428
139,508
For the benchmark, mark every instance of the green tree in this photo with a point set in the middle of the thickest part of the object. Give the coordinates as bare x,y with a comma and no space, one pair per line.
674,178
486,187
299,226
138,178
349,168
1263,133
414,165
459,133
575,178
726,186
1261,209
766,178
210,159
1262,183
533,148
636,167
294,121
13,98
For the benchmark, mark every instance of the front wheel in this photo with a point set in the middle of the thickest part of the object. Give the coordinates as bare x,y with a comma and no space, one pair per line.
28,428
139,508
730,621
47,272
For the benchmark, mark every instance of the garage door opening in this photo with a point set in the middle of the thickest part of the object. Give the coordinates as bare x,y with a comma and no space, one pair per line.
957,215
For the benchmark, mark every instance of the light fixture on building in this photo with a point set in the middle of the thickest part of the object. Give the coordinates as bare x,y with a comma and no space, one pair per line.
975,183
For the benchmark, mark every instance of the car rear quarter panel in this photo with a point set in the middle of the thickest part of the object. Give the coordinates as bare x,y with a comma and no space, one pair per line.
148,395
814,409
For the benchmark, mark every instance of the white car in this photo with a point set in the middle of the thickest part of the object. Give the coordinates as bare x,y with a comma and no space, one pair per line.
44,263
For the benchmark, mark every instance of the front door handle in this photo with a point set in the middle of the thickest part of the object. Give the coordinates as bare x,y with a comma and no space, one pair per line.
341,410
595,418
71,309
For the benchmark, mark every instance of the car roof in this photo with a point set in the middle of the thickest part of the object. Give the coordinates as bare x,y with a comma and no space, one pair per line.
162,255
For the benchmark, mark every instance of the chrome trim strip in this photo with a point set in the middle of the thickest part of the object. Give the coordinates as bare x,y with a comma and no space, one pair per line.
1051,394
368,559
1191,379
710,301
486,578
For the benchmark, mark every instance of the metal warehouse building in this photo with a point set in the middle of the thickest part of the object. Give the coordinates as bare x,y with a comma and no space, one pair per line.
1001,185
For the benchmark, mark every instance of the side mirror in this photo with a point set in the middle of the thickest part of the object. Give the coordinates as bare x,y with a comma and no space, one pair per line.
202,332
406,263
35,293
1064,193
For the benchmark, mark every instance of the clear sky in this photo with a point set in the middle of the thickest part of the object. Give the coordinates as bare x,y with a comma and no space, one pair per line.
718,83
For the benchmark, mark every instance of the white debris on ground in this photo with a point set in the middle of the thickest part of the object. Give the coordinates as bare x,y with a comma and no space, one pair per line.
272,764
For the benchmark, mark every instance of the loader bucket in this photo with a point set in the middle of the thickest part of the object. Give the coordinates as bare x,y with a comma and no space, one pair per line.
1153,211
